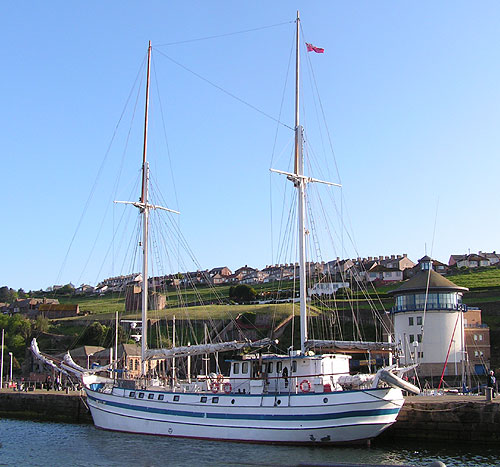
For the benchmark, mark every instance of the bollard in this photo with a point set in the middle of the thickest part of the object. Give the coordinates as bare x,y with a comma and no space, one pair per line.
489,394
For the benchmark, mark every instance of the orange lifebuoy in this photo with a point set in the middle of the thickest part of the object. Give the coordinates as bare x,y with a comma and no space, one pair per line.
305,385
227,388
214,387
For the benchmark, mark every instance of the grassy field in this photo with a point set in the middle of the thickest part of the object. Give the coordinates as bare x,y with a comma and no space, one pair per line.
482,277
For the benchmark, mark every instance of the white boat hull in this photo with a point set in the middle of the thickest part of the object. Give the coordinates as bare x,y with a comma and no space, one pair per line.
329,418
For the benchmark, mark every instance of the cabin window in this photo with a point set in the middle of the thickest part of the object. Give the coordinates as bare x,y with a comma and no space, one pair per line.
236,368
141,395
294,366
475,337
420,354
279,367
244,368
132,394
151,396
412,338
419,337
270,367
419,320
480,337
176,398
203,399
264,367
410,321
215,400
160,397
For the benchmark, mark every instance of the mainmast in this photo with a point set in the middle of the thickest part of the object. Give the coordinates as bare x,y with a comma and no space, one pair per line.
300,184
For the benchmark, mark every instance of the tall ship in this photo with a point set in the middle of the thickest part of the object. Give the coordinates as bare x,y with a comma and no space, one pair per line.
307,395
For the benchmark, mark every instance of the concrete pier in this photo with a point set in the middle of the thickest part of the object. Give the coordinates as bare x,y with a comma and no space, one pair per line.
433,418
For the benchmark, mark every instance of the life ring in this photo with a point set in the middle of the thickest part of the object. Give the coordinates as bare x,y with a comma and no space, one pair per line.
305,385
227,388
220,378
214,387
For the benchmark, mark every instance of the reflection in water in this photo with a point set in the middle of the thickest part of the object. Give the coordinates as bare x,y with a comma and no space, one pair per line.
49,444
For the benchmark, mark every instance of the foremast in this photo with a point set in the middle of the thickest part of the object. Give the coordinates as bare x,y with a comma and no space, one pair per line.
144,208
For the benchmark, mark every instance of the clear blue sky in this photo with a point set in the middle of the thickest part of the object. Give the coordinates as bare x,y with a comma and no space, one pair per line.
410,91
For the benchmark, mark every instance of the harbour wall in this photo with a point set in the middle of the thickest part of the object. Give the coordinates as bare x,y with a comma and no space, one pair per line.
440,418
45,406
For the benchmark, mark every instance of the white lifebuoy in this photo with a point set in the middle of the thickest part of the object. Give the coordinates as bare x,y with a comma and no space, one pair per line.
305,385
227,388
220,378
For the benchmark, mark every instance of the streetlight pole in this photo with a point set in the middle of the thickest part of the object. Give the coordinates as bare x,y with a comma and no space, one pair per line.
10,380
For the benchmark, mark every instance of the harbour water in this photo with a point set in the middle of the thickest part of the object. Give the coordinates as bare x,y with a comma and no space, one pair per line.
27,443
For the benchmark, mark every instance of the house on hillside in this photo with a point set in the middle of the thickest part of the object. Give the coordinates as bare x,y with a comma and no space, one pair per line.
473,261
383,274
493,258
400,262
219,275
84,289
52,311
255,277
338,266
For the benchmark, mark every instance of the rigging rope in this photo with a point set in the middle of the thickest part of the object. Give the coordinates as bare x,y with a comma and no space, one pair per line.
224,35
220,88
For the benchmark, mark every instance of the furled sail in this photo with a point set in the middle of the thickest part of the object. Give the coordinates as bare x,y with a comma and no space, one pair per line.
43,358
190,350
350,345
68,360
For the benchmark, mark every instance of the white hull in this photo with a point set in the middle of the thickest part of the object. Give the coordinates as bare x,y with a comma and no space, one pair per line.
345,417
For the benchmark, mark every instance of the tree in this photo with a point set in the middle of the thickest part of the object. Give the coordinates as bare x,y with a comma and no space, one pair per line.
21,294
7,295
41,324
242,293
95,334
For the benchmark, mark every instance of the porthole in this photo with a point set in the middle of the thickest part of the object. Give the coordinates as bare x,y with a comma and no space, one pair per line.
325,400
176,398
141,395
203,399
278,402
232,401
151,396
215,400
132,394
160,397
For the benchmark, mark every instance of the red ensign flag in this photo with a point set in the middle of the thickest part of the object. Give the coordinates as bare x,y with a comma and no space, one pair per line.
312,48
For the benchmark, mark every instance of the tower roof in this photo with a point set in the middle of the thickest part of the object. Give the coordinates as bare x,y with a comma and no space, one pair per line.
427,278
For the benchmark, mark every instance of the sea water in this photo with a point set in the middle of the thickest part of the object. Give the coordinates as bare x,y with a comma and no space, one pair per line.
26,443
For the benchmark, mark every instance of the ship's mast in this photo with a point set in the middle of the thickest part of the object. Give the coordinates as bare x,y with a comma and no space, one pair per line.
145,224
144,208
300,182
301,194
